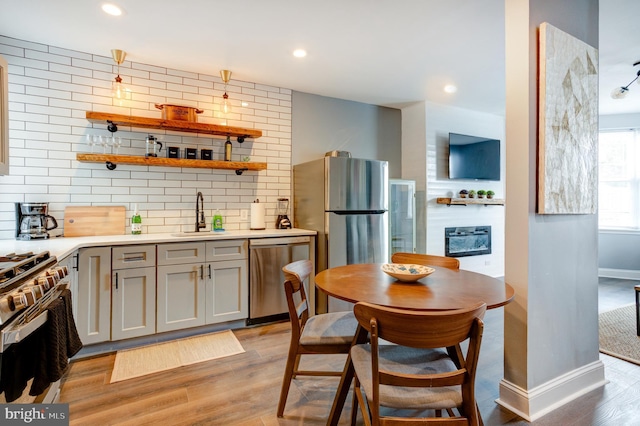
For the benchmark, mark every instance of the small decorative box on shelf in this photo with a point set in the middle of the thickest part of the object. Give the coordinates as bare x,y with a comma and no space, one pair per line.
112,160
467,201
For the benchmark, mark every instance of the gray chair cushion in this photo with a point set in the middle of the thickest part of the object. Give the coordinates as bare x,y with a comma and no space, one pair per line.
410,361
332,328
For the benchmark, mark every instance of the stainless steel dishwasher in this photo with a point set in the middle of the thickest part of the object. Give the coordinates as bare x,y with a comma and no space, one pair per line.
267,256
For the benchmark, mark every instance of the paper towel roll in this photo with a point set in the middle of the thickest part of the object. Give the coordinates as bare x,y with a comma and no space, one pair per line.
257,216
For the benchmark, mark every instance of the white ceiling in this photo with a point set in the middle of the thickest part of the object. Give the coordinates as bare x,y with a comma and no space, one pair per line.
382,52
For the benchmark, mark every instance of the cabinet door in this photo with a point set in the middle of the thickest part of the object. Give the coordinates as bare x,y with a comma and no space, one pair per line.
71,262
227,291
181,297
133,303
94,295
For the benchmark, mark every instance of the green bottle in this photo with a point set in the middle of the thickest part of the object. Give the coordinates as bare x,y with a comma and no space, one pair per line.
217,221
136,222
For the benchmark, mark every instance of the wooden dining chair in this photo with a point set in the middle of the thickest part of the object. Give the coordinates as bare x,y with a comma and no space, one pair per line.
426,259
330,333
417,373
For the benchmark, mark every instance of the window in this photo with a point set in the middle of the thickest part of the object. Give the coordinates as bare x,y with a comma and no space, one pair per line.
619,180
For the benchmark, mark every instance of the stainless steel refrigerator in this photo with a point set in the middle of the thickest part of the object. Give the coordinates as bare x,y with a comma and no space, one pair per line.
346,201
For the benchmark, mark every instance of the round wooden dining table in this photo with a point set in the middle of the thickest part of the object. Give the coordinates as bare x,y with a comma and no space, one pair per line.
444,289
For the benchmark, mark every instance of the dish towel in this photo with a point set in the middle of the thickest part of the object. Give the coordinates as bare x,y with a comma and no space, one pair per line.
59,342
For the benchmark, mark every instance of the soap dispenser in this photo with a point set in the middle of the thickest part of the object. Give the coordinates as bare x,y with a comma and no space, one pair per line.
217,222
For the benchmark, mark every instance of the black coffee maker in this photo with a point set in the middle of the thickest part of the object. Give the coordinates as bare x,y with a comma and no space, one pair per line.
33,222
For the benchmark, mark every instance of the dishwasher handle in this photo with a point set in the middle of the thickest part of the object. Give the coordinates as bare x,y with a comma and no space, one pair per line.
278,241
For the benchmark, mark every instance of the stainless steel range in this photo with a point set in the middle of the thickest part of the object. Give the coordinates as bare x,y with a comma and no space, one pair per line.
32,288
28,283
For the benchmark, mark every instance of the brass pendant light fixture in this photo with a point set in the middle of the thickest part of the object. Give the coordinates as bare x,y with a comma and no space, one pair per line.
120,91
225,105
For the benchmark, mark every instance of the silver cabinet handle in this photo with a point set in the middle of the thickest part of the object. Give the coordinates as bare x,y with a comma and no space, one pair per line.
132,259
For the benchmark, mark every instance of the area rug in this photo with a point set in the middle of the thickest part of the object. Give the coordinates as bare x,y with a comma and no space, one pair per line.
149,359
618,334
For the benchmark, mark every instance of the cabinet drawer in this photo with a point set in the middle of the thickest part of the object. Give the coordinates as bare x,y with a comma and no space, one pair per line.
126,257
178,253
226,250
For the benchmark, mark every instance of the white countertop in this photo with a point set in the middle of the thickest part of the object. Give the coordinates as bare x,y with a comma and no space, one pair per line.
63,246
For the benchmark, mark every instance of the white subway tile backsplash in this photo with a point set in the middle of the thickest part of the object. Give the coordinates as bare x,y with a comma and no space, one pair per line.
26,62
94,64
10,50
47,75
51,89
69,53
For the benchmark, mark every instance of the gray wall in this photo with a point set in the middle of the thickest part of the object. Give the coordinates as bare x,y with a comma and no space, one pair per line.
551,328
321,124
619,251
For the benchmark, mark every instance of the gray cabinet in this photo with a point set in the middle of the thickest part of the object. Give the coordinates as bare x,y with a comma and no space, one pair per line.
133,291
138,290
181,299
227,288
71,262
201,283
93,319
181,286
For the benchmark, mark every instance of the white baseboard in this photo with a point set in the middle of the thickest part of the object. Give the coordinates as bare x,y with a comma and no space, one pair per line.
624,274
535,403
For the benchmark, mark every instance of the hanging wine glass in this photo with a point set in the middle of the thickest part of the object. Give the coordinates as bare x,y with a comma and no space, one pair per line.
89,140
117,142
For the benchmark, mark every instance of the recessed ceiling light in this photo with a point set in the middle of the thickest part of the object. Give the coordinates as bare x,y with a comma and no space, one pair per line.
111,9
299,53
450,88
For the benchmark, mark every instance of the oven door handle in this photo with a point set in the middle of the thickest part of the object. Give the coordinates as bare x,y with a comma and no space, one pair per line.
21,332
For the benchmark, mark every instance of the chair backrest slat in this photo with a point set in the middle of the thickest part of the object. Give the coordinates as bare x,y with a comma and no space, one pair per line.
425,330
426,259
429,329
295,274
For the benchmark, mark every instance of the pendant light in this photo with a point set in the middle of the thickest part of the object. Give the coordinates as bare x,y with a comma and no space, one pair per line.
225,105
621,92
119,91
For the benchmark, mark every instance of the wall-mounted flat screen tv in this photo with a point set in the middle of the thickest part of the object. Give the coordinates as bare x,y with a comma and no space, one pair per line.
473,157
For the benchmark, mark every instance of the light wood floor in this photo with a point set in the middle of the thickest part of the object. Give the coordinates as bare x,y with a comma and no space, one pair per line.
243,389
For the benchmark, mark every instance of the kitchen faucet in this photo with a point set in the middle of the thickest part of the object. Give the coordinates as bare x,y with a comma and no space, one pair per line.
200,222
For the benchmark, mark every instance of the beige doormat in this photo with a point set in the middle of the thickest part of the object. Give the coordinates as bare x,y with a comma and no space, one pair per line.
618,334
149,359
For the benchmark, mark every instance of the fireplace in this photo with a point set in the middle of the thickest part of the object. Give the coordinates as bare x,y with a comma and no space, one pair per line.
467,241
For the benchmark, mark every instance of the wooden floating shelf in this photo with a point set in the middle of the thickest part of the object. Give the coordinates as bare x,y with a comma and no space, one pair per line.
467,201
135,160
176,125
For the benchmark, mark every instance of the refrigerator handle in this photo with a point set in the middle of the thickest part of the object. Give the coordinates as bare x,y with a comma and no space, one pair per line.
350,212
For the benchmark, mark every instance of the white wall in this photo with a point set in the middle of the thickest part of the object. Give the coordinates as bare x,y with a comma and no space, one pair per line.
426,130
551,326
619,251
51,88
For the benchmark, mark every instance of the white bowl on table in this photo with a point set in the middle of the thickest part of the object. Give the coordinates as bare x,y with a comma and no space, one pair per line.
406,272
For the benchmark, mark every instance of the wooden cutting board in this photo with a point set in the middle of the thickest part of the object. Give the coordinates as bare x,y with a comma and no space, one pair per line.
81,221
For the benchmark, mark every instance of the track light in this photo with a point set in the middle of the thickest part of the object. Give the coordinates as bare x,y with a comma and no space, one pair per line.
621,92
